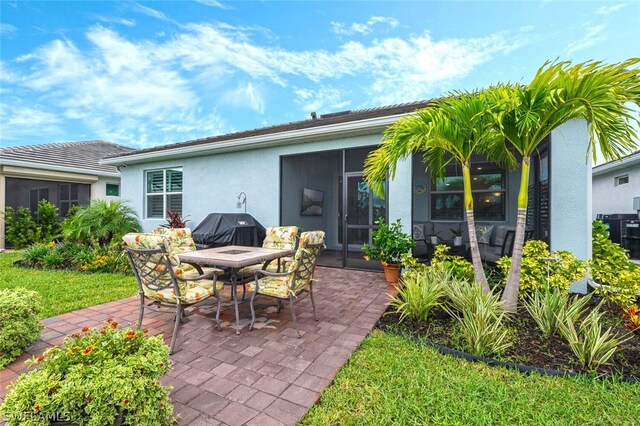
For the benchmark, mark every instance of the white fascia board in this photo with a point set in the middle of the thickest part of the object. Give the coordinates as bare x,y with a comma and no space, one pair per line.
616,165
57,168
352,128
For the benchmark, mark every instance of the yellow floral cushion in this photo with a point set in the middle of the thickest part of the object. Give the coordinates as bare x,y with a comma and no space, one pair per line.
272,286
312,237
281,237
190,294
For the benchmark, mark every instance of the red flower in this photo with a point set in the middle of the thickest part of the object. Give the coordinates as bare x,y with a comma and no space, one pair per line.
89,400
36,408
126,402
85,330
40,359
88,350
130,334
145,331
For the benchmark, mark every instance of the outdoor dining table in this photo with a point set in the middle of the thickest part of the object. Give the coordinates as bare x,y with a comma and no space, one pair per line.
236,258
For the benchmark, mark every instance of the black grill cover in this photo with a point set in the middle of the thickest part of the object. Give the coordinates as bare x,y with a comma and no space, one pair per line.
223,229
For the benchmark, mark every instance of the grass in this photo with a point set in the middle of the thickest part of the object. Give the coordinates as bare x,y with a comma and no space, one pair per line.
62,291
390,380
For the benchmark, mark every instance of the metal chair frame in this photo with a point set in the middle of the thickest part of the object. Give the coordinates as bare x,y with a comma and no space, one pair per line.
159,275
305,270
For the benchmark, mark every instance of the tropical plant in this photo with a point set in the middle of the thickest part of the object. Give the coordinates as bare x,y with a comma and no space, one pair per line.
174,220
456,232
389,242
525,115
552,308
35,253
542,270
420,293
479,317
19,322
100,223
589,343
99,377
47,221
617,280
453,129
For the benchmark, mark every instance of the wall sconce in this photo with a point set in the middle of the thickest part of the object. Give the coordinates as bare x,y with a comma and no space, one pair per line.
241,202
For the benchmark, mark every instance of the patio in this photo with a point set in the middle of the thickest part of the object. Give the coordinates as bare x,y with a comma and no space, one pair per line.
263,377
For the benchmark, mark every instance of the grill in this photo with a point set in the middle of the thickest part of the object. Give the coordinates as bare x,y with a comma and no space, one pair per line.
224,229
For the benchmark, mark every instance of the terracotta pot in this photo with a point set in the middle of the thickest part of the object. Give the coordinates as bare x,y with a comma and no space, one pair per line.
391,272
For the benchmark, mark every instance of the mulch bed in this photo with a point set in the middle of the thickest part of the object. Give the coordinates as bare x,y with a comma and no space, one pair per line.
528,347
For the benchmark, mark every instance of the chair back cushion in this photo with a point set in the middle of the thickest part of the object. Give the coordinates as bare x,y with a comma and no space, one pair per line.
417,231
178,239
483,232
304,261
282,237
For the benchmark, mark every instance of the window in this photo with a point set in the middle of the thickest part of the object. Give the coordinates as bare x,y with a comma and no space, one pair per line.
113,190
37,195
489,194
68,197
621,180
163,191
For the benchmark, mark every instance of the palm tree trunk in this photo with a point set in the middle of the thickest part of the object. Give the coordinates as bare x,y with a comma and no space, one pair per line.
512,288
478,270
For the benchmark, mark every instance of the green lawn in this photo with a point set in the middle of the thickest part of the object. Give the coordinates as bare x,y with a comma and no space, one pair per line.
390,380
62,291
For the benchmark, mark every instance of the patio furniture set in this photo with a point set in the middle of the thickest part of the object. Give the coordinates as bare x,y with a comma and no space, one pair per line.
172,274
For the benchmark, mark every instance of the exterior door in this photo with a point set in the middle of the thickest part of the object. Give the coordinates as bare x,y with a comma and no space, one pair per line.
361,208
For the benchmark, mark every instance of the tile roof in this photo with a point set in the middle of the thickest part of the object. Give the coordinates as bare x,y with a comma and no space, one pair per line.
83,155
320,120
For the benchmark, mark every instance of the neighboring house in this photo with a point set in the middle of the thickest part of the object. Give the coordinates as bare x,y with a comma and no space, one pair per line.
66,174
615,185
273,165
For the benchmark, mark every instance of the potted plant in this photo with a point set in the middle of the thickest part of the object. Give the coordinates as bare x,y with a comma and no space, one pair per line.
434,235
457,235
389,244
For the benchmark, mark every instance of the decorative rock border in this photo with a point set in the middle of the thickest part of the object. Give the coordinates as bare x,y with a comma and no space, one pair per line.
522,368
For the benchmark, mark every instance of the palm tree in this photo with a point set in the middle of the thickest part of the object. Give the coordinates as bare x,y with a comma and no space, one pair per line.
452,129
560,92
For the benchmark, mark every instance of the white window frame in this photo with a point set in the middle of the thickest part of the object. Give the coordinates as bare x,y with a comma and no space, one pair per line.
617,179
164,192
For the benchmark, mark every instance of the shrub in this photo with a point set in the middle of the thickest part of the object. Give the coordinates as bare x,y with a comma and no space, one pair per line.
551,308
420,292
99,377
461,268
54,259
479,318
34,254
24,228
610,267
590,345
19,322
100,223
542,269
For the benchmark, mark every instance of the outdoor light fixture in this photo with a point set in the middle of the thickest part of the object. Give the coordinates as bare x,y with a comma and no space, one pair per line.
241,202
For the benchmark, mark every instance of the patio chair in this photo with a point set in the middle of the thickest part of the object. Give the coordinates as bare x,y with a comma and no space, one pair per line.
281,237
296,282
179,240
165,285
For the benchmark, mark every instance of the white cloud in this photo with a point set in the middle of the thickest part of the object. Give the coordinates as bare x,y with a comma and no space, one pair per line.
362,27
114,20
245,96
150,91
7,29
606,10
593,36
21,121
323,100
213,3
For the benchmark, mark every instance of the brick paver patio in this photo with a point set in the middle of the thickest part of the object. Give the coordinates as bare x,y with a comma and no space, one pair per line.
263,377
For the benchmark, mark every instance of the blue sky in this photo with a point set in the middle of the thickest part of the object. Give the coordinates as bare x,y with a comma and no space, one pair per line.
149,73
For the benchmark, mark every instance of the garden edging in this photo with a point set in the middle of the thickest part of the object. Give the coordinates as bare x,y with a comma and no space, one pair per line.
522,368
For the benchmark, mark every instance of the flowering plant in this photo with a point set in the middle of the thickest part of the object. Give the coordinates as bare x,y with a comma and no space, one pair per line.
96,377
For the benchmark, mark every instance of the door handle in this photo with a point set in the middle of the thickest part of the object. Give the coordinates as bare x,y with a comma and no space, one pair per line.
346,219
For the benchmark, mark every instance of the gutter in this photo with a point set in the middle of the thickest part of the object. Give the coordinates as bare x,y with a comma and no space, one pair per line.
352,128
57,168
616,164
